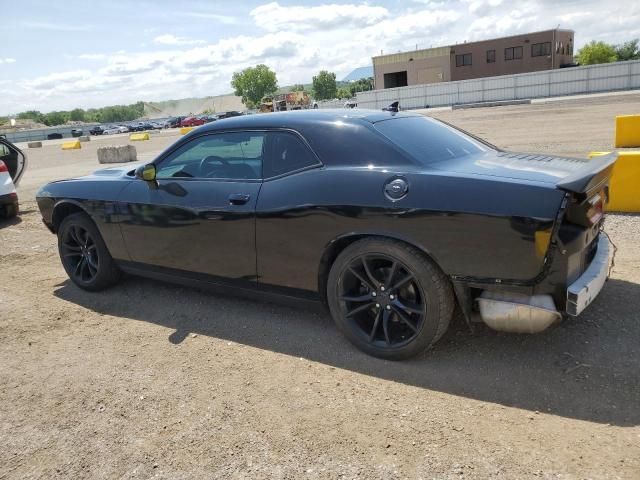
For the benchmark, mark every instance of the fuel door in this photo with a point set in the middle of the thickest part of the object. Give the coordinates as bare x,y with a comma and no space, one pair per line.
396,188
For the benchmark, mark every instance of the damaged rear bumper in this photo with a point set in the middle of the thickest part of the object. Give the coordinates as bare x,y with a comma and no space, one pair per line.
519,313
587,287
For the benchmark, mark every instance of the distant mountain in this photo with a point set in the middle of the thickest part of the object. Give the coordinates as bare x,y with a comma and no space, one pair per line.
187,106
358,73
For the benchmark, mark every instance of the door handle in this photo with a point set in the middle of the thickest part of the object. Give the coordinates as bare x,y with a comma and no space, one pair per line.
239,198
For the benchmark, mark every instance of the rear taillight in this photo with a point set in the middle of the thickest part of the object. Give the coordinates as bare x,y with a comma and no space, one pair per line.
587,211
596,208
3,167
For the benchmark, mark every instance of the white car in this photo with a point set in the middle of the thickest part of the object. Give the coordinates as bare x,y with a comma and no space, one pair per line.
115,129
12,165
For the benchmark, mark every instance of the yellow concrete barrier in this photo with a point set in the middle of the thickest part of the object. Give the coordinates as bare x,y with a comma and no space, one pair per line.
185,130
624,187
136,137
627,131
73,145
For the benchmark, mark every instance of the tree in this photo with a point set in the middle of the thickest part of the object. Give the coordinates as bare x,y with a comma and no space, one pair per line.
55,118
253,83
362,85
596,52
324,85
76,115
34,115
344,92
298,87
628,50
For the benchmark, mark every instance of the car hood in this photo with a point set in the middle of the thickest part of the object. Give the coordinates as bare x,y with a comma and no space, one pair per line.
117,171
517,166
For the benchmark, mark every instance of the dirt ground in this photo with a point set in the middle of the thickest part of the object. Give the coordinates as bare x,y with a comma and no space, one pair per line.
153,380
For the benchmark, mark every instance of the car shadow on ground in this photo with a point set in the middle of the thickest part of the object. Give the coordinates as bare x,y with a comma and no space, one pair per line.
585,368
9,222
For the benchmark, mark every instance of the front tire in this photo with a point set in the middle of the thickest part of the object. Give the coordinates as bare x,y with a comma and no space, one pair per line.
388,298
84,255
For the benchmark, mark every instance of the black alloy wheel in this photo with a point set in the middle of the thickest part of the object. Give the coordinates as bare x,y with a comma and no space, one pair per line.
388,298
84,255
79,254
382,299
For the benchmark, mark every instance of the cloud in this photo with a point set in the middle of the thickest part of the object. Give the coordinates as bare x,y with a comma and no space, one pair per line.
169,39
56,27
226,19
274,17
7,60
92,56
296,41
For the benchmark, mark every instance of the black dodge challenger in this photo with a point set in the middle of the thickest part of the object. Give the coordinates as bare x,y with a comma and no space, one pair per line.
390,219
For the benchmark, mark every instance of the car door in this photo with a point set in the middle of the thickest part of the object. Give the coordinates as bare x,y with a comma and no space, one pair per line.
199,216
291,223
14,159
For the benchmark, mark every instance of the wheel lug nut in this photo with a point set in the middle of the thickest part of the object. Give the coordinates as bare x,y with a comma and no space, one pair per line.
388,307
391,297
373,294
382,289
377,305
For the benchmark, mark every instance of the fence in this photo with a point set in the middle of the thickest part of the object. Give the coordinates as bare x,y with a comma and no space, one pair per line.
549,83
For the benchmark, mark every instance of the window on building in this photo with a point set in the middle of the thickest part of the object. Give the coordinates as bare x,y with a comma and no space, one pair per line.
463,60
491,56
541,49
513,53
395,79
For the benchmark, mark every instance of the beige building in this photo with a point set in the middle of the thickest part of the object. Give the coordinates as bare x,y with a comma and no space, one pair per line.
527,52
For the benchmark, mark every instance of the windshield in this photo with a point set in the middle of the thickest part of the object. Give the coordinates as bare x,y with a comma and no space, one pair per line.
429,141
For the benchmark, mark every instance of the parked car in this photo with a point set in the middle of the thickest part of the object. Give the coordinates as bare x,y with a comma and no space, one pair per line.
229,114
12,166
76,132
390,219
113,129
97,130
173,122
142,126
192,122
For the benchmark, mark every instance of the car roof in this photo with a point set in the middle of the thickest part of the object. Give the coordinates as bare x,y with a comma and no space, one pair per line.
301,118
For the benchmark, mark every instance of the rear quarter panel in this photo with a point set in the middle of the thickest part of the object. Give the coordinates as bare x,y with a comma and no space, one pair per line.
472,227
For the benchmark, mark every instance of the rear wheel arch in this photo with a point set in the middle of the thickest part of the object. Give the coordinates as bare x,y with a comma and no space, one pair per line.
336,246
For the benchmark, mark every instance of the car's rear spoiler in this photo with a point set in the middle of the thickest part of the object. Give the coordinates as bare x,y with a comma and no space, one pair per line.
590,178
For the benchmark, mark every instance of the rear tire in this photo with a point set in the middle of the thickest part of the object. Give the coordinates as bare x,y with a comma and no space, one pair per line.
388,298
84,255
9,211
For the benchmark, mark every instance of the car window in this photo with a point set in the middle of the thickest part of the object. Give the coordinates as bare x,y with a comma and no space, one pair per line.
285,152
232,155
429,141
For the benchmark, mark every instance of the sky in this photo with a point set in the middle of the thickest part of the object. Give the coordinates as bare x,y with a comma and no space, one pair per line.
83,53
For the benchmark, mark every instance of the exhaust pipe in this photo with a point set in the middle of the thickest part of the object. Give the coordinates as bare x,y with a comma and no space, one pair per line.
516,312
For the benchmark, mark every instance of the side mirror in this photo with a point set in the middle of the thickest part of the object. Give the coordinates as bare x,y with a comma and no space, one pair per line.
147,172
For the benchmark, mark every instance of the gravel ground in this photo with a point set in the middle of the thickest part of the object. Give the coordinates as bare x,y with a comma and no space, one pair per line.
153,380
